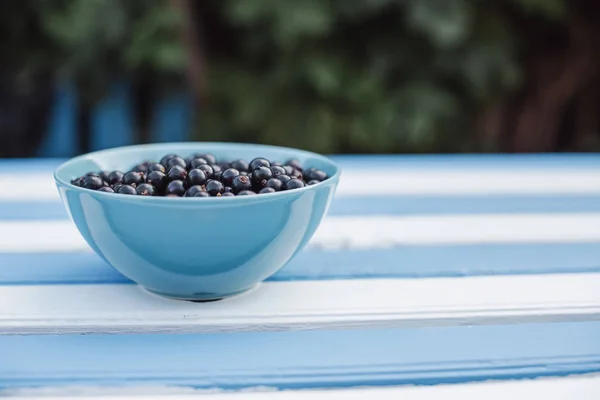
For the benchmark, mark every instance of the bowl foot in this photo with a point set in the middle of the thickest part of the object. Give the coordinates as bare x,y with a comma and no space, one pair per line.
201,297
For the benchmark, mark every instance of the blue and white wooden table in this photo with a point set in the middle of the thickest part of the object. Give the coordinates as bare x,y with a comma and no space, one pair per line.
456,270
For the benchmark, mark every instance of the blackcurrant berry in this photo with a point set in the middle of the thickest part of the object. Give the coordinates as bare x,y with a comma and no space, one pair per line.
214,187
133,178
115,177
157,179
127,189
229,175
145,189
293,184
175,187
196,177
241,183
259,162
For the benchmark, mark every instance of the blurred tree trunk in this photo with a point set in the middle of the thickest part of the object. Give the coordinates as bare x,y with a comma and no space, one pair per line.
191,34
557,107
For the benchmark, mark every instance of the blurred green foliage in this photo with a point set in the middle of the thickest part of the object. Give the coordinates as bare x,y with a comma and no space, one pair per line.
94,42
361,75
325,75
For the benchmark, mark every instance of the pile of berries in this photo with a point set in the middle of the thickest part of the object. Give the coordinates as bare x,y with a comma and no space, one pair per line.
201,175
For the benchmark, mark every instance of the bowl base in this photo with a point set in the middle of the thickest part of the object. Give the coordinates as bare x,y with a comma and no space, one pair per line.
201,297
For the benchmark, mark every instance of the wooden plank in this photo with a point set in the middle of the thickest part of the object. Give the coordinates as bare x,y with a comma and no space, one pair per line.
583,387
304,305
302,359
450,184
358,233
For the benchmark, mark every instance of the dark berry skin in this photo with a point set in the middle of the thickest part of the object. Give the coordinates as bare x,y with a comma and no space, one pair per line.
196,177
259,162
241,183
145,189
214,188
293,184
261,175
289,170
175,187
107,189
313,182
278,170
127,189
157,179
92,182
156,167
314,174
294,164
163,161
207,156
246,193
283,178
202,194
208,170
117,186
228,189
104,176
266,190
229,175
133,178
296,174
115,177
274,184
216,167
245,173
217,175
196,162
177,172
76,181
175,161
193,190
240,165
143,167
228,194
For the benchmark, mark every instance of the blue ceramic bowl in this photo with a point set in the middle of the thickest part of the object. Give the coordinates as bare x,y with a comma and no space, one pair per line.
196,248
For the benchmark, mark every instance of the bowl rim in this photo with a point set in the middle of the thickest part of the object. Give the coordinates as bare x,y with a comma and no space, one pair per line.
202,200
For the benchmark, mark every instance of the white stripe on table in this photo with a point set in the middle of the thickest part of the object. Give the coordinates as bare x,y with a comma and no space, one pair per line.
584,387
309,305
368,232
436,182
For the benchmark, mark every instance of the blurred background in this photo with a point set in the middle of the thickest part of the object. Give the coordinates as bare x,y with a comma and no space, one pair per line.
333,76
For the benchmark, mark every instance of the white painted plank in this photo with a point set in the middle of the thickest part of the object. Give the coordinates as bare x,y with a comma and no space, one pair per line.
431,182
21,184
367,232
472,181
585,387
304,305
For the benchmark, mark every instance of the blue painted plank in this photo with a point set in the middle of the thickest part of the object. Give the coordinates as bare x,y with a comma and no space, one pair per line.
553,162
401,262
61,139
388,205
563,161
112,120
172,119
30,165
303,359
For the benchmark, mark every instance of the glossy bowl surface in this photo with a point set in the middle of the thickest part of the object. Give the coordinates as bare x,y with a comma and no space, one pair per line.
196,248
